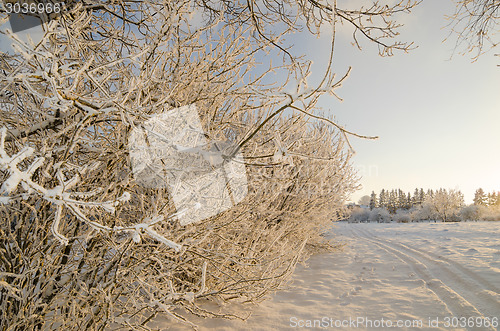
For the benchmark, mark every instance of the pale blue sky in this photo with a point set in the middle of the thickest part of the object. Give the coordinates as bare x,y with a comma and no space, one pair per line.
438,119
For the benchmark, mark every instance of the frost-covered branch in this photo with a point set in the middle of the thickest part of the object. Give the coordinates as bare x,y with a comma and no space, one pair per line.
61,197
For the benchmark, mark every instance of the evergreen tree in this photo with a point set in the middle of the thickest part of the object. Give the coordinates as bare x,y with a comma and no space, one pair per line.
415,199
392,204
430,193
492,199
409,202
401,199
373,200
421,196
479,197
382,200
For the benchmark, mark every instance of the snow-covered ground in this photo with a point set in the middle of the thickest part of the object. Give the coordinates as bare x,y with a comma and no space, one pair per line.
417,276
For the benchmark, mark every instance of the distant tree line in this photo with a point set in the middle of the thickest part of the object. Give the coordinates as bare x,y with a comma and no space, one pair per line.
444,205
397,199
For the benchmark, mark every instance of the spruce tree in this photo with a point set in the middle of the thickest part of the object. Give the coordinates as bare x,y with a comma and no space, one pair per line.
382,200
392,203
373,200
416,198
479,197
430,193
421,196
492,199
401,200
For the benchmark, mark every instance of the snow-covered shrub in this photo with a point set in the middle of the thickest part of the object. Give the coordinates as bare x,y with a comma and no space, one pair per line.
420,213
472,213
445,205
81,243
380,215
490,213
359,215
492,217
402,216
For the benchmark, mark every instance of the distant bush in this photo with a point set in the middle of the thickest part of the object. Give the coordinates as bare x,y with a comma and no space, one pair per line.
429,210
402,216
380,215
363,215
359,215
490,214
472,213
421,213
445,205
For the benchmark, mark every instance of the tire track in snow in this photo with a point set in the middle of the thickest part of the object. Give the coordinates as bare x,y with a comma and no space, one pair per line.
448,263
484,295
459,299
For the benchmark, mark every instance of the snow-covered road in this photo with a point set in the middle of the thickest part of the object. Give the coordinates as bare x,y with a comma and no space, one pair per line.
417,276
456,262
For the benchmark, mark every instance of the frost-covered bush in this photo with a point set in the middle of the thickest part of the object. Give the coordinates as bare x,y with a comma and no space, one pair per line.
478,212
402,216
82,244
377,215
380,215
445,205
472,213
492,217
490,214
420,213
359,215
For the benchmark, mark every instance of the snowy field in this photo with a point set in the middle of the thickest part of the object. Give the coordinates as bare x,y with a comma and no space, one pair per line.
417,276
